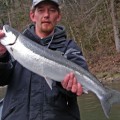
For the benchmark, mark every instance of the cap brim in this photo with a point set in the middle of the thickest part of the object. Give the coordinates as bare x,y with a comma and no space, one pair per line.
36,3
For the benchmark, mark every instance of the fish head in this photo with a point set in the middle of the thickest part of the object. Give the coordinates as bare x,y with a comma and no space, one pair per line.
10,36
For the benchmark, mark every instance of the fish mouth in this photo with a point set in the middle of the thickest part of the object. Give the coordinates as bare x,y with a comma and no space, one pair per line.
10,36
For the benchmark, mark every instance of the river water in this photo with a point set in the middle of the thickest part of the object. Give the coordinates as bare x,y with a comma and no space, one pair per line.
90,108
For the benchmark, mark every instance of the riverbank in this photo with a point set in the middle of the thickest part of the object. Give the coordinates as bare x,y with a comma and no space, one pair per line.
105,67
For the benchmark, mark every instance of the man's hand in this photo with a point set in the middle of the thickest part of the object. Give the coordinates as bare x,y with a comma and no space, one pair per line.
70,83
2,48
2,34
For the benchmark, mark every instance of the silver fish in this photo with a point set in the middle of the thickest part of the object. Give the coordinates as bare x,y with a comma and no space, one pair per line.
54,66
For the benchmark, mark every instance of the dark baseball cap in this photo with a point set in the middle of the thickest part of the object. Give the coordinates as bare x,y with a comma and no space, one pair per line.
36,2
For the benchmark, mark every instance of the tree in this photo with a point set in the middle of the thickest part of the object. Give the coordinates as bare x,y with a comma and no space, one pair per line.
115,24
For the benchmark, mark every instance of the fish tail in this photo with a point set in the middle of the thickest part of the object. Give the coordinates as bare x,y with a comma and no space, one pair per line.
112,97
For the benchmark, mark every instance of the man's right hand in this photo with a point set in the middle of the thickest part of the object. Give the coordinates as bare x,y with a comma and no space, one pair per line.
2,48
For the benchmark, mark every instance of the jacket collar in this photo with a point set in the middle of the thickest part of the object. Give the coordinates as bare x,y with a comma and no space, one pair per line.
53,41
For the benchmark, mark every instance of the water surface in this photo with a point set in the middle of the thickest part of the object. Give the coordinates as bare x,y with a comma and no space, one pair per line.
90,108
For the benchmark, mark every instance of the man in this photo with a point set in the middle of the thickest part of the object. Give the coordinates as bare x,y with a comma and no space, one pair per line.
28,95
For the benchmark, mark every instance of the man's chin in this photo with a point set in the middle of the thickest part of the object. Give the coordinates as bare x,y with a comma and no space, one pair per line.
48,30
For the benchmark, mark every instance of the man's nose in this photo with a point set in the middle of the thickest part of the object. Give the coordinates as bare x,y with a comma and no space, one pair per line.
46,14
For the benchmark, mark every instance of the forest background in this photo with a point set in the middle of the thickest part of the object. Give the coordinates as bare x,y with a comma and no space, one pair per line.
93,24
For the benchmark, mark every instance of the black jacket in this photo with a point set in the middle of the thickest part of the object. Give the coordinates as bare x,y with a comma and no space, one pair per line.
28,96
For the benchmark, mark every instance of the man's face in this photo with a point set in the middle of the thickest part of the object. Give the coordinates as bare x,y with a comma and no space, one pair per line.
45,16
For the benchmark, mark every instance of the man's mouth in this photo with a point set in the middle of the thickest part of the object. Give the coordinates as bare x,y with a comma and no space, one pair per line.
46,22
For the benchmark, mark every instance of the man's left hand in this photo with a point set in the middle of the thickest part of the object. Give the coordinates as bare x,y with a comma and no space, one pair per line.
70,83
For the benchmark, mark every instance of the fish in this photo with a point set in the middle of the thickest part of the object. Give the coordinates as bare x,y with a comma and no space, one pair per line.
53,66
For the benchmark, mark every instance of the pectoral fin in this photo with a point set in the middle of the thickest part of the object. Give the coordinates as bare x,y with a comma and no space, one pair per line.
49,82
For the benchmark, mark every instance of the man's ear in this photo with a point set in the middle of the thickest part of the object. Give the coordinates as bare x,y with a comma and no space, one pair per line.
31,14
59,18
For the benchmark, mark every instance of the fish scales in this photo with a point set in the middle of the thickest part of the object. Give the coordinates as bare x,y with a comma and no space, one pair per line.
49,61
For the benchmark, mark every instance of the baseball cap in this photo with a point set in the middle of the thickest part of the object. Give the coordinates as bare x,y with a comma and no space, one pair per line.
36,2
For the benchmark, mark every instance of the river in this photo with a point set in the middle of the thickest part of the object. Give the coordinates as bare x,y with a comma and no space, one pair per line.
90,108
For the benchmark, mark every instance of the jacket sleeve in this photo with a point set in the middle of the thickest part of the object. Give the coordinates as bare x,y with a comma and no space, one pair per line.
74,54
6,67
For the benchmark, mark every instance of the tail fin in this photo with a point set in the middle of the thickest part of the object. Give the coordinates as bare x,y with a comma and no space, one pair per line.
109,99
